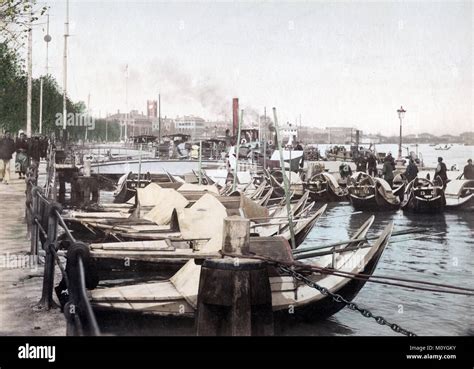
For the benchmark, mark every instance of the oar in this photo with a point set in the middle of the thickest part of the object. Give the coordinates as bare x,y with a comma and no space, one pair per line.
306,249
344,215
353,248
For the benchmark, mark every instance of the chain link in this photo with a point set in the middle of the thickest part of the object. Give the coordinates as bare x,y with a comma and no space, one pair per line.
338,298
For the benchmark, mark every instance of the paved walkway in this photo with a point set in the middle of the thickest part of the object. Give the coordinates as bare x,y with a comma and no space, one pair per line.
20,275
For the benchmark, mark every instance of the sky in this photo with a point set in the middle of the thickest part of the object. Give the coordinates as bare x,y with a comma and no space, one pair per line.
330,63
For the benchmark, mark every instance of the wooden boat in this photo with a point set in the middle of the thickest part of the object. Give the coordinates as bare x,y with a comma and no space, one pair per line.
324,187
459,195
446,147
371,193
296,184
170,251
424,196
128,184
177,296
399,185
155,217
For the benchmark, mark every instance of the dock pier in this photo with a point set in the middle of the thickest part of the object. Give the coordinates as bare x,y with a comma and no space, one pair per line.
234,296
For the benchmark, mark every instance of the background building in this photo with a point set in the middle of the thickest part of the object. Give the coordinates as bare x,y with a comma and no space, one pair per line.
133,123
191,125
152,108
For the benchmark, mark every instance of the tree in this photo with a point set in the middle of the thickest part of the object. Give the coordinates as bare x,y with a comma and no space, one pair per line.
13,96
15,18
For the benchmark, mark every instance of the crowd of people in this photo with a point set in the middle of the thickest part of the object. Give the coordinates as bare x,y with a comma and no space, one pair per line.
28,152
368,164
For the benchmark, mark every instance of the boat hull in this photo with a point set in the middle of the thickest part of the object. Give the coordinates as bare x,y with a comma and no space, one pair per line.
326,307
363,203
420,205
461,204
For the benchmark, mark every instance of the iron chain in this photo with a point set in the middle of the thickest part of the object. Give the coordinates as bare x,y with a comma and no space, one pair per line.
338,298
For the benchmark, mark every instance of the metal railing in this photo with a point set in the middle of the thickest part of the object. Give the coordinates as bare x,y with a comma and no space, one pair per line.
45,219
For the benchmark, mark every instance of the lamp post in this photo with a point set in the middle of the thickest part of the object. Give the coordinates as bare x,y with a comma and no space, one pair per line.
401,113
47,39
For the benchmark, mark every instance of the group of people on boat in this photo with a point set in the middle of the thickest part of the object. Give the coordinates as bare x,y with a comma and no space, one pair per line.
468,172
368,164
28,151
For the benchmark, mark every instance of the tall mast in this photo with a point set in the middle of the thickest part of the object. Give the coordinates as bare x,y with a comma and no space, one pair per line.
126,103
88,113
30,71
66,35
159,118
47,39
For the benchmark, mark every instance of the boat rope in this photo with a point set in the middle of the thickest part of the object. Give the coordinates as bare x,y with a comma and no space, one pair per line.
289,268
351,305
445,288
376,279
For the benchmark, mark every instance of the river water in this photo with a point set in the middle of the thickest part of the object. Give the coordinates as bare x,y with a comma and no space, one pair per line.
445,258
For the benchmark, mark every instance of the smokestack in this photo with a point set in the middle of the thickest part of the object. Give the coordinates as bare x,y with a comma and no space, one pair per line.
235,116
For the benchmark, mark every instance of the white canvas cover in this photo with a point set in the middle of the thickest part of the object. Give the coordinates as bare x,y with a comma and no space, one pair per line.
147,195
167,199
386,187
204,219
286,154
186,280
454,188
187,187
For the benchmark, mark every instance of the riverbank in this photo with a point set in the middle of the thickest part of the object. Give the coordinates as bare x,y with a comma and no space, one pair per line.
21,276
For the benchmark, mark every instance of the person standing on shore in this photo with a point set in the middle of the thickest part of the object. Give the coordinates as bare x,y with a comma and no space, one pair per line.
7,148
361,164
387,170
469,170
372,165
22,159
442,171
412,171
390,159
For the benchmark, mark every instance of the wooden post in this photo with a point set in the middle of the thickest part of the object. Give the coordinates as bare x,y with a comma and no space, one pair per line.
200,163
34,227
237,149
48,279
285,182
236,235
234,296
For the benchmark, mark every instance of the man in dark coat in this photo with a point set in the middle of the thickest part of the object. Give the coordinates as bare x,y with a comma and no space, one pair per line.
412,171
34,149
387,171
372,165
361,164
390,159
469,170
7,148
22,158
442,171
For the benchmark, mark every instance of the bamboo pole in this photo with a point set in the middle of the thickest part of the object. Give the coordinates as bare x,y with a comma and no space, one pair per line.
200,162
237,149
139,166
285,181
353,248
309,249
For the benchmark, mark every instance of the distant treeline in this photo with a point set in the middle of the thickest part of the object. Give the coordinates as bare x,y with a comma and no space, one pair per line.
13,94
